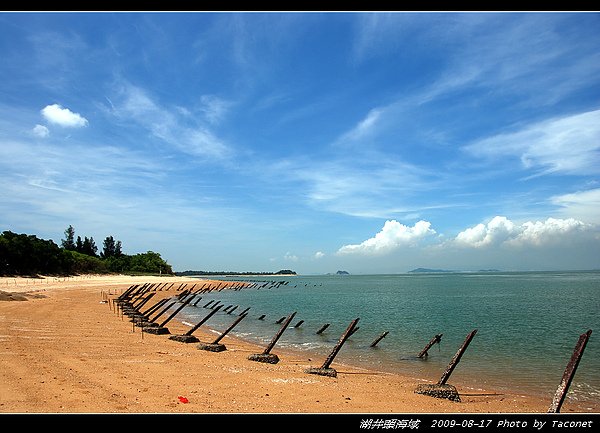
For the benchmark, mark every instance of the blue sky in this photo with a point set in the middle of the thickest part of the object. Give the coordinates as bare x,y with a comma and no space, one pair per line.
368,142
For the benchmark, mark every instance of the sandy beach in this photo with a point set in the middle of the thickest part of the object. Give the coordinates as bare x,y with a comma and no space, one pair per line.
64,349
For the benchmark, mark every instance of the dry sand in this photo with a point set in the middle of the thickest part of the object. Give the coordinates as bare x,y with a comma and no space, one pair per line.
64,349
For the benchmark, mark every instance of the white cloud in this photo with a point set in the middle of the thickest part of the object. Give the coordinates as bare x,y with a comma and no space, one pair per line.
58,115
170,126
377,33
319,255
582,204
376,185
40,131
568,145
508,61
200,141
496,231
551,230
501,231
290,257
214,108
365,126
392,236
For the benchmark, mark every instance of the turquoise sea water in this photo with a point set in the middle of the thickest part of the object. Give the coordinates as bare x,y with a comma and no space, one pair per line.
527,325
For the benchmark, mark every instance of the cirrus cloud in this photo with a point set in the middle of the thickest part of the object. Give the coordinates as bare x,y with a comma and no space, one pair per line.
171,126
566,145
584,204
64,117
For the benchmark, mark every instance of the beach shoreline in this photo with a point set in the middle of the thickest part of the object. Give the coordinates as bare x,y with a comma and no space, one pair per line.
65,350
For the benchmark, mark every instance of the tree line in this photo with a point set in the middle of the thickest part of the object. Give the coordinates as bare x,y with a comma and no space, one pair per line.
189,273
23,254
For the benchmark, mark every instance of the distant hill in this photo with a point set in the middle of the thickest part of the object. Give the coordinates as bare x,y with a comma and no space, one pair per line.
428,271
433,271
342,273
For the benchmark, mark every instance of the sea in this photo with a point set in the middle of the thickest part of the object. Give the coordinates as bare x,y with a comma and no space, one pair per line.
527,325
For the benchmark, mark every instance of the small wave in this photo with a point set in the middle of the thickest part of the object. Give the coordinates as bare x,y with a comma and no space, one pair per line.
583,392
244,334
304,346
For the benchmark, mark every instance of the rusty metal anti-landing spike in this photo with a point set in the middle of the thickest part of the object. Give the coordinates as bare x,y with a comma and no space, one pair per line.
455,360
325,369
563,387
434,340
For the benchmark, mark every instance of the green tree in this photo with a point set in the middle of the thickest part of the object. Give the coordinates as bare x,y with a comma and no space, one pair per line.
79,245
22,254
68,243
89,247
149,262
119,264
86,264
111,248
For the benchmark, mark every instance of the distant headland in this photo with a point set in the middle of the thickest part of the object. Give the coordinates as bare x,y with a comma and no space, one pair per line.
427,271
432,271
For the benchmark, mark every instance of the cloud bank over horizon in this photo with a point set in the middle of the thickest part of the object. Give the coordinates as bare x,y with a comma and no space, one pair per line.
497,234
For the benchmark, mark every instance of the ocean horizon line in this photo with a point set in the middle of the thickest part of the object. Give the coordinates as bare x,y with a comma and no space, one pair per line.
411,272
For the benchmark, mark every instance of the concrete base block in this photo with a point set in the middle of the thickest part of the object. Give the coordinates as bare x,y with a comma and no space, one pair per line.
158,330
212,347
446,391
184,338
145,324
322,371
269,358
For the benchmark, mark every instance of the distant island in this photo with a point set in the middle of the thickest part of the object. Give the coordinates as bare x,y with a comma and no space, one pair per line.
342,273
432,271
189,273
427,271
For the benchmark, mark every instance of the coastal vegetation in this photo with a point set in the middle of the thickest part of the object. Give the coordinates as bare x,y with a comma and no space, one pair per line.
191,273
24,254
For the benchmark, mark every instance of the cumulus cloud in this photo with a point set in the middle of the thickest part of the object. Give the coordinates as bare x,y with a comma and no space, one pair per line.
498,230
542,232
40,131
58,115
393,235
319,255
290,257
501,231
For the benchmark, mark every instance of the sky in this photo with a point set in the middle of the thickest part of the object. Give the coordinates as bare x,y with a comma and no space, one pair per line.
317,142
